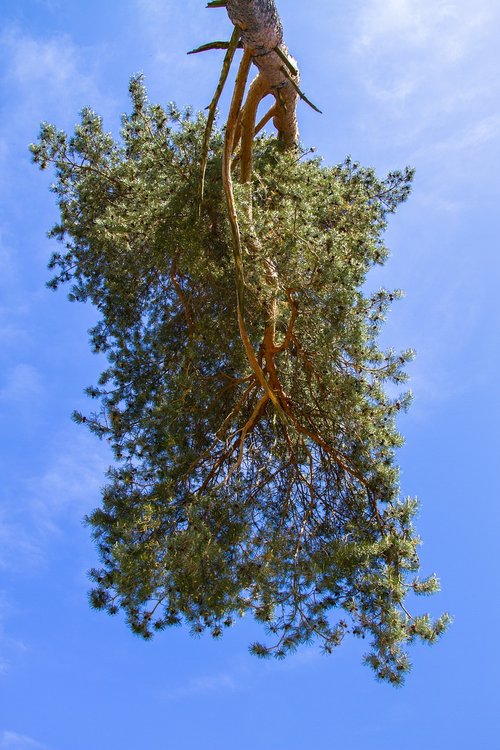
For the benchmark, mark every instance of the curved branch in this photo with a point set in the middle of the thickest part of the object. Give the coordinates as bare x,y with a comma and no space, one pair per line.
212,108
227,180
257,91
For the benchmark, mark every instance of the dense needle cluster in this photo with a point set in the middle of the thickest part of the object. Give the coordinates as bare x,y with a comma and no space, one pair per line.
219,503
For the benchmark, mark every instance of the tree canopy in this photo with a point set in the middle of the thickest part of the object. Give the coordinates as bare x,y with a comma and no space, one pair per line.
253,436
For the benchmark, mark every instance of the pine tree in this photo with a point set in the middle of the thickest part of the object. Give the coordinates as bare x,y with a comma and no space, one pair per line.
244,397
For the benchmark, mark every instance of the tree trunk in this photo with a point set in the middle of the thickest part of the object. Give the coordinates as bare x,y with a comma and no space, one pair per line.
259,31
262,35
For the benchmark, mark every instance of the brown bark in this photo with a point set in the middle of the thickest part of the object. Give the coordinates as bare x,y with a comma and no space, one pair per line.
259,31
262,35
229,145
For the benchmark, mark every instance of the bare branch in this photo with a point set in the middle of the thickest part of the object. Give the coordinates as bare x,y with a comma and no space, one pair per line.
212,109
299,92
213,45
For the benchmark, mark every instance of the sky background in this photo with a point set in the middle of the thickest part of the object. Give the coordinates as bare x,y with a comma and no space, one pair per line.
399,82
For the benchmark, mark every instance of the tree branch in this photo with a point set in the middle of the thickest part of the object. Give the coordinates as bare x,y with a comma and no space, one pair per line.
213,45
212,108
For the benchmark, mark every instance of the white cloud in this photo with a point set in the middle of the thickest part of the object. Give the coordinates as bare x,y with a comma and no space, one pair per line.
6,260
3,153
157,19
168,32
49,73
44,503
43,78
22,395
446,26
399,20
50,5
464,140
10,331
19,545
431,90
14,741
204,685
156,13
9,645
70,485
410,47
15,306
22,386
242,675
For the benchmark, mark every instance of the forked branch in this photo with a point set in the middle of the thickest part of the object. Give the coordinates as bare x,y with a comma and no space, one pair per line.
258,29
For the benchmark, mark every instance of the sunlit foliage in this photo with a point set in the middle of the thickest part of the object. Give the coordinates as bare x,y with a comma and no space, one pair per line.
217,504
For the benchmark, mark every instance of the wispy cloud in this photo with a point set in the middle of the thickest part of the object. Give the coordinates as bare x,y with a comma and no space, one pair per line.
22,394
70,485
50,4
243,673
6,260
9,645
429,65
20,546
156,14
45,503
22,384
14,741
447,27
12,332
185,79
301,659
199,686
43,78
423,89
464,141
49,73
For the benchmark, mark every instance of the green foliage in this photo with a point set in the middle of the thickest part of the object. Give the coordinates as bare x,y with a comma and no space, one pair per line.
216,506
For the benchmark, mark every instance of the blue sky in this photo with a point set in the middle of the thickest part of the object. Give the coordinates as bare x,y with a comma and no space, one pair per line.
399,82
